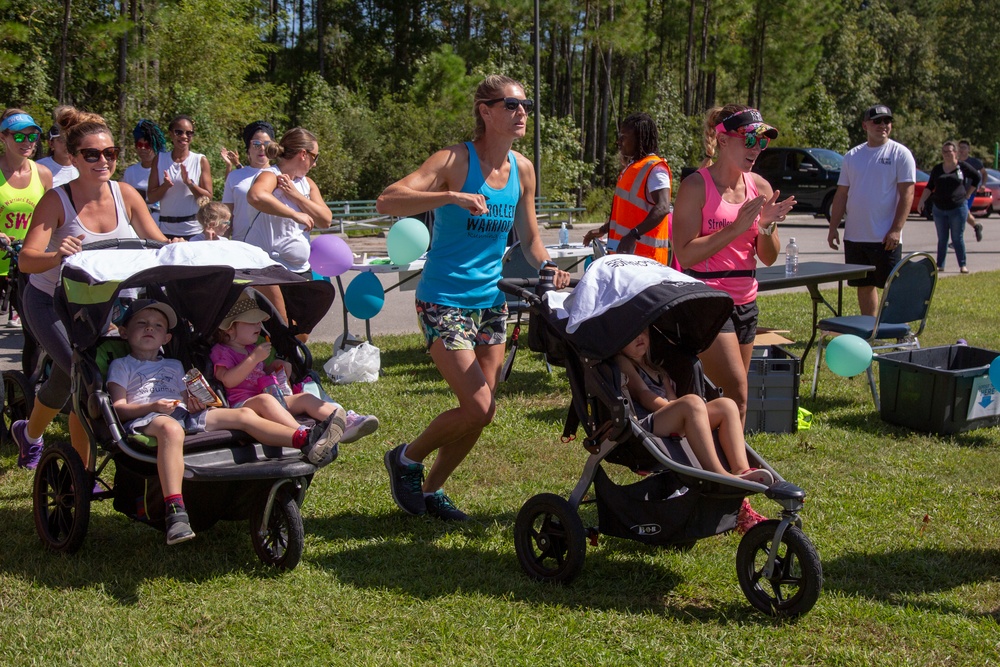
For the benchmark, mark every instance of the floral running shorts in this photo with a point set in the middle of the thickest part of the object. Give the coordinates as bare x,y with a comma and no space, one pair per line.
462,328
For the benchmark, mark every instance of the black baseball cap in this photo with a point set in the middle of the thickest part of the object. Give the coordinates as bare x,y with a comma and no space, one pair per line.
878,111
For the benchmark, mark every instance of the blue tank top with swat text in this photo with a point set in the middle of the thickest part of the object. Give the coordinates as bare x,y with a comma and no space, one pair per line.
463,264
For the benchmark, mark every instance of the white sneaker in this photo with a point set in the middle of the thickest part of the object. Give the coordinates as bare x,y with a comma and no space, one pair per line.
358,426
14,321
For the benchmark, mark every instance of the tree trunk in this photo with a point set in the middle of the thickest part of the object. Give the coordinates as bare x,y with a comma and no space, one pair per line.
123,72
63,48
320,38
702,95
689,64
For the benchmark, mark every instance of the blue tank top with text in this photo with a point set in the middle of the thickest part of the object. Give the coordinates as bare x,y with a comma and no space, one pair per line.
463,264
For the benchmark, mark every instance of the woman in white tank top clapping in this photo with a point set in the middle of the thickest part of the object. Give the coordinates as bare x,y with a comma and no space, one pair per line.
177,180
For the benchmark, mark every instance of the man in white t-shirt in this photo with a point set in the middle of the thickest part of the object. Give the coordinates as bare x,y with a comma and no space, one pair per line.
876,191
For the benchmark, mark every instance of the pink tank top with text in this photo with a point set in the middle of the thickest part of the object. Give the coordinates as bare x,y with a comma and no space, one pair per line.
741,254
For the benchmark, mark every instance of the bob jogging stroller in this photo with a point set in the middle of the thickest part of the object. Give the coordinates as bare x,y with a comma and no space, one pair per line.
677,502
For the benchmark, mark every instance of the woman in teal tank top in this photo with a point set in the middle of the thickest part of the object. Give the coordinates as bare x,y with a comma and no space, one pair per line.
479,190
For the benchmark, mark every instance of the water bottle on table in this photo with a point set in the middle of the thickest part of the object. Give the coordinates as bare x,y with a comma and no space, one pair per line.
791,258
563,236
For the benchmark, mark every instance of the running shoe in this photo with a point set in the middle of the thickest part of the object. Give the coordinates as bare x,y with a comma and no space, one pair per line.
406,482
28,454
441,506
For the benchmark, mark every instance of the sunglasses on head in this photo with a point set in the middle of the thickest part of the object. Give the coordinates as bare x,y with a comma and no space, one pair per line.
751,140
511,103
882,121
260,144
184,133
94,154
20,137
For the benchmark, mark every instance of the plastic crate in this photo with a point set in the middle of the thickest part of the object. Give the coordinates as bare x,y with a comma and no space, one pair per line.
939,389
773,390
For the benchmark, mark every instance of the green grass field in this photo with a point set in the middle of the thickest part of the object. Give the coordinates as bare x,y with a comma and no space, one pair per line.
378,587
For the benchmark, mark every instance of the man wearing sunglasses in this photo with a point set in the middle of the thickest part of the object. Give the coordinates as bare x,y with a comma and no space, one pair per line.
875,190
639,222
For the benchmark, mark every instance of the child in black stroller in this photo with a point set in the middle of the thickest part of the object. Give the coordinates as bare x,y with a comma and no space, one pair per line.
678,501
226,473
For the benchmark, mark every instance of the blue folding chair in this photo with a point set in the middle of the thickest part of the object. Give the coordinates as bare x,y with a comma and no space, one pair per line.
906,299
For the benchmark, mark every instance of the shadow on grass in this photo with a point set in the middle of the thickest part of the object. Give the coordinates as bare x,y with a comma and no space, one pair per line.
904,577
409,558
119,556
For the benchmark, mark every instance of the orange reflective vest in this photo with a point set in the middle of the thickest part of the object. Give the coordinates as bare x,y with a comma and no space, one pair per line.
630,207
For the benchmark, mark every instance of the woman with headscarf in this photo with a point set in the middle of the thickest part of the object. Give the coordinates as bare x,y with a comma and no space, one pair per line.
179,179
149,142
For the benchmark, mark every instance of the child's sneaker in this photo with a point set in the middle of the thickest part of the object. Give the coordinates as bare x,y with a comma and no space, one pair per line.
323,437
440,505
747,518
28,454
358,426
758,475
178,528
406,482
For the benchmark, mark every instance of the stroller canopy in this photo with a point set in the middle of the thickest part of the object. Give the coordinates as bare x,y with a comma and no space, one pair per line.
621,295
200,280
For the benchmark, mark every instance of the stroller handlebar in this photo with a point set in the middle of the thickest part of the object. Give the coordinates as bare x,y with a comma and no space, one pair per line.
529,290
124,244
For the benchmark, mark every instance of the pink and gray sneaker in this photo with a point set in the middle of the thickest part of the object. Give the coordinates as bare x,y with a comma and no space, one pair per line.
358,426
28,454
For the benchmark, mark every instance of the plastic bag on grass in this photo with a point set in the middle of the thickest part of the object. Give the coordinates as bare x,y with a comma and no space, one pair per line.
355,363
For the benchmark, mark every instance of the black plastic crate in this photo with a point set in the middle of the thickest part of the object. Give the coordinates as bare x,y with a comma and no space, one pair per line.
938,389
773,390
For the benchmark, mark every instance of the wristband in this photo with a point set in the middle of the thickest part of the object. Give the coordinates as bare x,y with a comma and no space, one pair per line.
635,234
767,230
548,263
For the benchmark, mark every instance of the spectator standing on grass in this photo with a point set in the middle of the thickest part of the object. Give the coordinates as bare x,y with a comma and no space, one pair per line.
640,211
179,178
977,164
481,189
726,219
876,191
950,186
257,136
149,142
58,161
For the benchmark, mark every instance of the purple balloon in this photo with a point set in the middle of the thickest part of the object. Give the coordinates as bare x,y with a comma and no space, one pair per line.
330,256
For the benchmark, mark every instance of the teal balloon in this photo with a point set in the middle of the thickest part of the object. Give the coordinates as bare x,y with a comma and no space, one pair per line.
848,355
407,240
995,372
364,297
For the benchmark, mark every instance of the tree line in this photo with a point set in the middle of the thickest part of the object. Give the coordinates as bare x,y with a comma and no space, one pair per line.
383,83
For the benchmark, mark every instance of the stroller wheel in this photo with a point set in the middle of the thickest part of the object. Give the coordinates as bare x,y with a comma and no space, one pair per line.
798,574
61,498
550,539
279,538
18,399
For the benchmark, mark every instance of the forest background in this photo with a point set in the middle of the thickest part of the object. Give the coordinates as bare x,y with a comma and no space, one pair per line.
384,83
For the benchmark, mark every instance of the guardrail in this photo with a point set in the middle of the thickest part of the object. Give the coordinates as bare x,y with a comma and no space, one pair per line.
361,214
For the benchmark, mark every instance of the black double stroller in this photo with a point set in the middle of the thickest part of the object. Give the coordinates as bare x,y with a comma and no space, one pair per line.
227,476
676,502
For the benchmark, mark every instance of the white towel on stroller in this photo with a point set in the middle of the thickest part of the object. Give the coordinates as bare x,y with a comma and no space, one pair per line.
119,265
610,281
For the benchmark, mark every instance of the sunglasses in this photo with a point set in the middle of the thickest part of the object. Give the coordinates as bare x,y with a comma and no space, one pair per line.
260,144
882,121
511,103
93,154
142,145
751,140
184,133
314,156
20,137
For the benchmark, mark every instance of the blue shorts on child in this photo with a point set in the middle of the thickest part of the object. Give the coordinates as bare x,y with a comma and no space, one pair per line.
192,423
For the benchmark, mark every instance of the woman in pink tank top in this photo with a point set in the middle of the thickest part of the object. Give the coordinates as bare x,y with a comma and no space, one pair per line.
724,219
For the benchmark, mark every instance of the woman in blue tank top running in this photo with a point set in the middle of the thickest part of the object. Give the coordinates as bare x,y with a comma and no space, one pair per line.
479,190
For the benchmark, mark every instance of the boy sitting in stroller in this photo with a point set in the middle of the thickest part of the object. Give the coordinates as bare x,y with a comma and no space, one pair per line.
150,396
